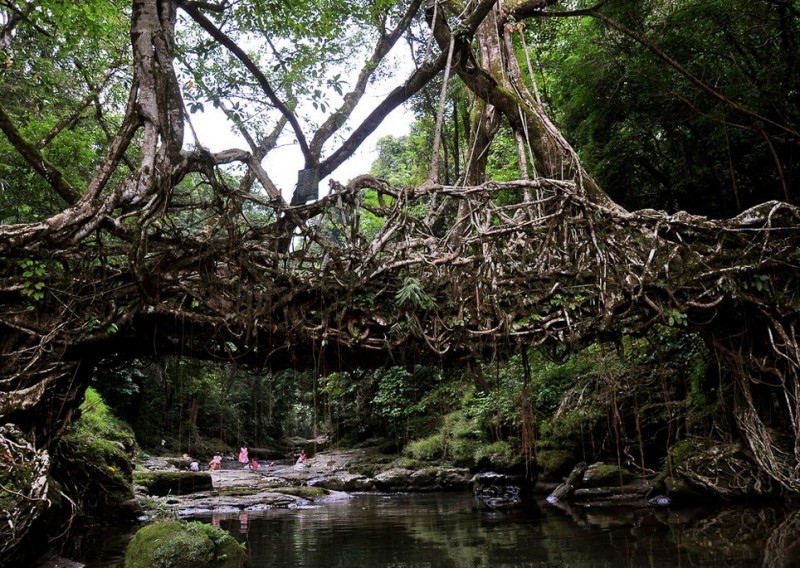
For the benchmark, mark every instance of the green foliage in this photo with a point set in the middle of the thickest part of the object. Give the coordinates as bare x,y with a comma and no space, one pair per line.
430,448
97,420
44,80
401,160
184,545
95,459
159,396
313,46
413,295
503,162
637,393
652,138
33,274
394,392
463,440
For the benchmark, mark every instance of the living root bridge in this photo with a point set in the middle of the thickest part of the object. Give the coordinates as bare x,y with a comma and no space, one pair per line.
378,275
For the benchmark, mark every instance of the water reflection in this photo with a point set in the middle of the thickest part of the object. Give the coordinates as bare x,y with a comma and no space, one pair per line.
448,530
445,530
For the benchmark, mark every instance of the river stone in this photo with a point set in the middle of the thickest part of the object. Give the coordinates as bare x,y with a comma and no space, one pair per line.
452,478
343,481
394,478
497,496
425,479
603,475
184,545
163,483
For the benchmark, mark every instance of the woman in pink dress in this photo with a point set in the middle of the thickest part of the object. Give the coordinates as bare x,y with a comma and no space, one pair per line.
243,459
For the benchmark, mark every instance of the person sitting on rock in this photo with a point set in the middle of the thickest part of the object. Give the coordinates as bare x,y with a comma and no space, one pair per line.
215,463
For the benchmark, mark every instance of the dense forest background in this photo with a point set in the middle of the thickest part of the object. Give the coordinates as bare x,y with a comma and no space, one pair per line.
672,106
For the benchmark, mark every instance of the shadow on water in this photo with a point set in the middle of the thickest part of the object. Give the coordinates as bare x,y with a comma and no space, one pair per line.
448,530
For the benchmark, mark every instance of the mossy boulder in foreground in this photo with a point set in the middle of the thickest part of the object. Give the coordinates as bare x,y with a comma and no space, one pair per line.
177,544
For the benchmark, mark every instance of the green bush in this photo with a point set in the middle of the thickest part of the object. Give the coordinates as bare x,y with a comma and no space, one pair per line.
426,449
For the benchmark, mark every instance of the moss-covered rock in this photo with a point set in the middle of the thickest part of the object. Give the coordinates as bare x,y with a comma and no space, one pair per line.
555,464
606,475
163,483
93,461
305,492
184,545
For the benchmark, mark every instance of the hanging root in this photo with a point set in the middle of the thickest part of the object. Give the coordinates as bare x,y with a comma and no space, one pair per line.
23,486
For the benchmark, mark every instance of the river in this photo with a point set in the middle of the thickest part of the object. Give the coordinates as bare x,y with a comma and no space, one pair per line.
448,530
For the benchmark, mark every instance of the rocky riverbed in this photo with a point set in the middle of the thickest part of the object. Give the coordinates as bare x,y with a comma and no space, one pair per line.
324,477
334,475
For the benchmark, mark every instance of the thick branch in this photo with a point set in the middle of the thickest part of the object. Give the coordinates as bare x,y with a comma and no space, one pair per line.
351,99
35,160
263,82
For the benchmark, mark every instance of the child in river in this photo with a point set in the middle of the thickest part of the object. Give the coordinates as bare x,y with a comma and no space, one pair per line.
215,463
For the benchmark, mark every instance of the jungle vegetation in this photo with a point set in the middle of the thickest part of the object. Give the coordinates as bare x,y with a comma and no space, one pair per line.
586,247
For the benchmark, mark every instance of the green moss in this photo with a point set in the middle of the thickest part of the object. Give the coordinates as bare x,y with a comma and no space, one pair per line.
681,451
499,454
407,463
556,463
97,420
183,545
604,475
14,482
93,460
309,493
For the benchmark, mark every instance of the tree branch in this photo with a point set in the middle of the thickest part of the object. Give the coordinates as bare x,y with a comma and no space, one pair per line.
351,99
263,82
34,158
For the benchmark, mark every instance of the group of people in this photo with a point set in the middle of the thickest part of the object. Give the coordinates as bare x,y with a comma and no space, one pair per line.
246,462
244,459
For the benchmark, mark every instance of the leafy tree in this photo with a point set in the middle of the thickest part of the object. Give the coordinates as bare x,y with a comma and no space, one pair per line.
658,139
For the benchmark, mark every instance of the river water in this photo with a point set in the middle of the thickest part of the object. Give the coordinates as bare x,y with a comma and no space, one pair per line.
448,530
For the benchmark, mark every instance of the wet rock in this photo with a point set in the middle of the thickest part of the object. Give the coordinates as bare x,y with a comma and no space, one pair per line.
606,475
495,490
425,479
343,481
660,501
566,490
396,478
173,483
